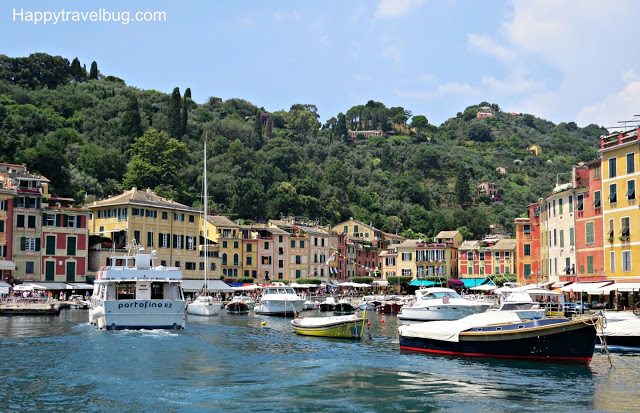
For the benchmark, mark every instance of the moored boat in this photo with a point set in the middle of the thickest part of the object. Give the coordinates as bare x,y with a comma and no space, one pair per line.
344,307
279,299
328,304
345,326
438,303
133,293
623,332
502,334
237,307
204,305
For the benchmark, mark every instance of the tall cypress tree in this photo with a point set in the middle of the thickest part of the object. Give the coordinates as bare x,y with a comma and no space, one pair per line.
175,121
257,129
77,73
93,72
185,111
462,188
268,130
130,126
341,126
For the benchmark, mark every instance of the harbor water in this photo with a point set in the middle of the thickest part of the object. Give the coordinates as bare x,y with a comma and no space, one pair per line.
232,363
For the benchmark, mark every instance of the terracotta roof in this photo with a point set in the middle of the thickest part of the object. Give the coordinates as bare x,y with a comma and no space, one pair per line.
280,223
468,245
410,243
447,234
505,244
221,221
393,236
144,198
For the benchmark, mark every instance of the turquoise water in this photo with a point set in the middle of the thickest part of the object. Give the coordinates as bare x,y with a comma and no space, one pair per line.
233,363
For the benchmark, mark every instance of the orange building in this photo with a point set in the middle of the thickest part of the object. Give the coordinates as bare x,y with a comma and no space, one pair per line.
528,246
589,227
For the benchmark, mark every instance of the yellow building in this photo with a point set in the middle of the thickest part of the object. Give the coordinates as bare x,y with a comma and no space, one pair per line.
620,171
154,223
228,235
249,252
360,230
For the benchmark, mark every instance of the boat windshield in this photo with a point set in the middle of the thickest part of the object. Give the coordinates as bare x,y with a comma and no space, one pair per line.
450,294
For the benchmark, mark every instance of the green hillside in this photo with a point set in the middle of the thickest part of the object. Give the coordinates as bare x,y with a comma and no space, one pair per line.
91,134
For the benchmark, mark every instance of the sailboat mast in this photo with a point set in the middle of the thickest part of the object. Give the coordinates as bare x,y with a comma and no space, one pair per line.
206,219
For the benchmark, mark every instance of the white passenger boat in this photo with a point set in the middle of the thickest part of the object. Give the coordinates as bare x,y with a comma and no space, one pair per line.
279,299
438,303
133,293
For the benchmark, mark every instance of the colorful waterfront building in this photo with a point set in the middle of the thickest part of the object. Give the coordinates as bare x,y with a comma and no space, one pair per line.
319,252
558,233
621,173
65,241
249,253
490,257
589,228
228,236
175,231
31,191
272,253
7,266
528,246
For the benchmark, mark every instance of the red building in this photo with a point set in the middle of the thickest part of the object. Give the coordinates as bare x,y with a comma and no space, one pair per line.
6,233
528,246
589,225
65,239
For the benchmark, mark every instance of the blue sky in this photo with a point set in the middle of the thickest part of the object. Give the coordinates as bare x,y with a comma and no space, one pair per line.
560,60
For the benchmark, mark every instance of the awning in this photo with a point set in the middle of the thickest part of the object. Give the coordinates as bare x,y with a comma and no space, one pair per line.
584,287
474,282
542,291
560,284
79,286
381,283
422,283
53,286
212,285
7,265
542,285
620,287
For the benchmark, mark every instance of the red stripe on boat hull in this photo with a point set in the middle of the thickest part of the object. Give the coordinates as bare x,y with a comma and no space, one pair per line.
456,353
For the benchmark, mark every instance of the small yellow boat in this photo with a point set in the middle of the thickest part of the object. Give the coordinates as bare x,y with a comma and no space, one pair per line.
346,326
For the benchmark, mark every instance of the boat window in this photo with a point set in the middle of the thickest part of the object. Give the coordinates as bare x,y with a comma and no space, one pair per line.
521,326
126,291
290,291
498,328
157,291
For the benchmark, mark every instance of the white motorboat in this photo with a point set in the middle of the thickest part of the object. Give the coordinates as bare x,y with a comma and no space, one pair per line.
311,305
437,303
245,299
328,304
204,304
370,302
279,299
133,293
514,297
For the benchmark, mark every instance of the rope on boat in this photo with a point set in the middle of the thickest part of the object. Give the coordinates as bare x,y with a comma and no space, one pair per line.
599,324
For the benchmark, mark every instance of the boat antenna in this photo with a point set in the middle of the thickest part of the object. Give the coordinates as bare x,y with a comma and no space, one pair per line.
206,218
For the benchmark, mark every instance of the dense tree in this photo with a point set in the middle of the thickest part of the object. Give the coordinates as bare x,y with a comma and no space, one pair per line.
77,72
420,122
257,129
268,130
93,72
156,160
341,126
479,131
184,115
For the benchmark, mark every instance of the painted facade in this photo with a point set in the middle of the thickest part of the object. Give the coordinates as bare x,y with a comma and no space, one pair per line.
621,173
528,246
488,257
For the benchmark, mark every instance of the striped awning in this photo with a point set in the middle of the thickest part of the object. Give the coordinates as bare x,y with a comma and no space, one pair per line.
7,265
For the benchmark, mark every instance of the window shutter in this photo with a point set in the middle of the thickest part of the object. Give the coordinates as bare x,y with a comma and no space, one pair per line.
175,240
27,200
182,241
23,242
37,244
159,239
38,203
44,219
66,221
58,220
1,226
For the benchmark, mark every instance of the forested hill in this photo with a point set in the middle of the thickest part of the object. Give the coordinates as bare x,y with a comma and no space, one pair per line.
89,132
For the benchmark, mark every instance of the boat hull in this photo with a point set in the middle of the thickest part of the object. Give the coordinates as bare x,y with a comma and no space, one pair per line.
440,312
279,307
140,315
352,328
571,341
204,309
237,308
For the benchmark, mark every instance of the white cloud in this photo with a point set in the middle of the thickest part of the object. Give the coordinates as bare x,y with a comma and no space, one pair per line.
395,8
393,53
629,76
515,84
489,46
446,89
362,78
286,15
614,108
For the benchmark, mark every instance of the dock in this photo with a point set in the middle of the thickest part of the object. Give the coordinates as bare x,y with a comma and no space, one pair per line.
29,307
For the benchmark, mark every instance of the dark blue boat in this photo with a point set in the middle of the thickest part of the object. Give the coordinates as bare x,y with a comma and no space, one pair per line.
505,336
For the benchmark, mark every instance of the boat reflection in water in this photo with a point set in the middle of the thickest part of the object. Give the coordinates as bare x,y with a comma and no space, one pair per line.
502,334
